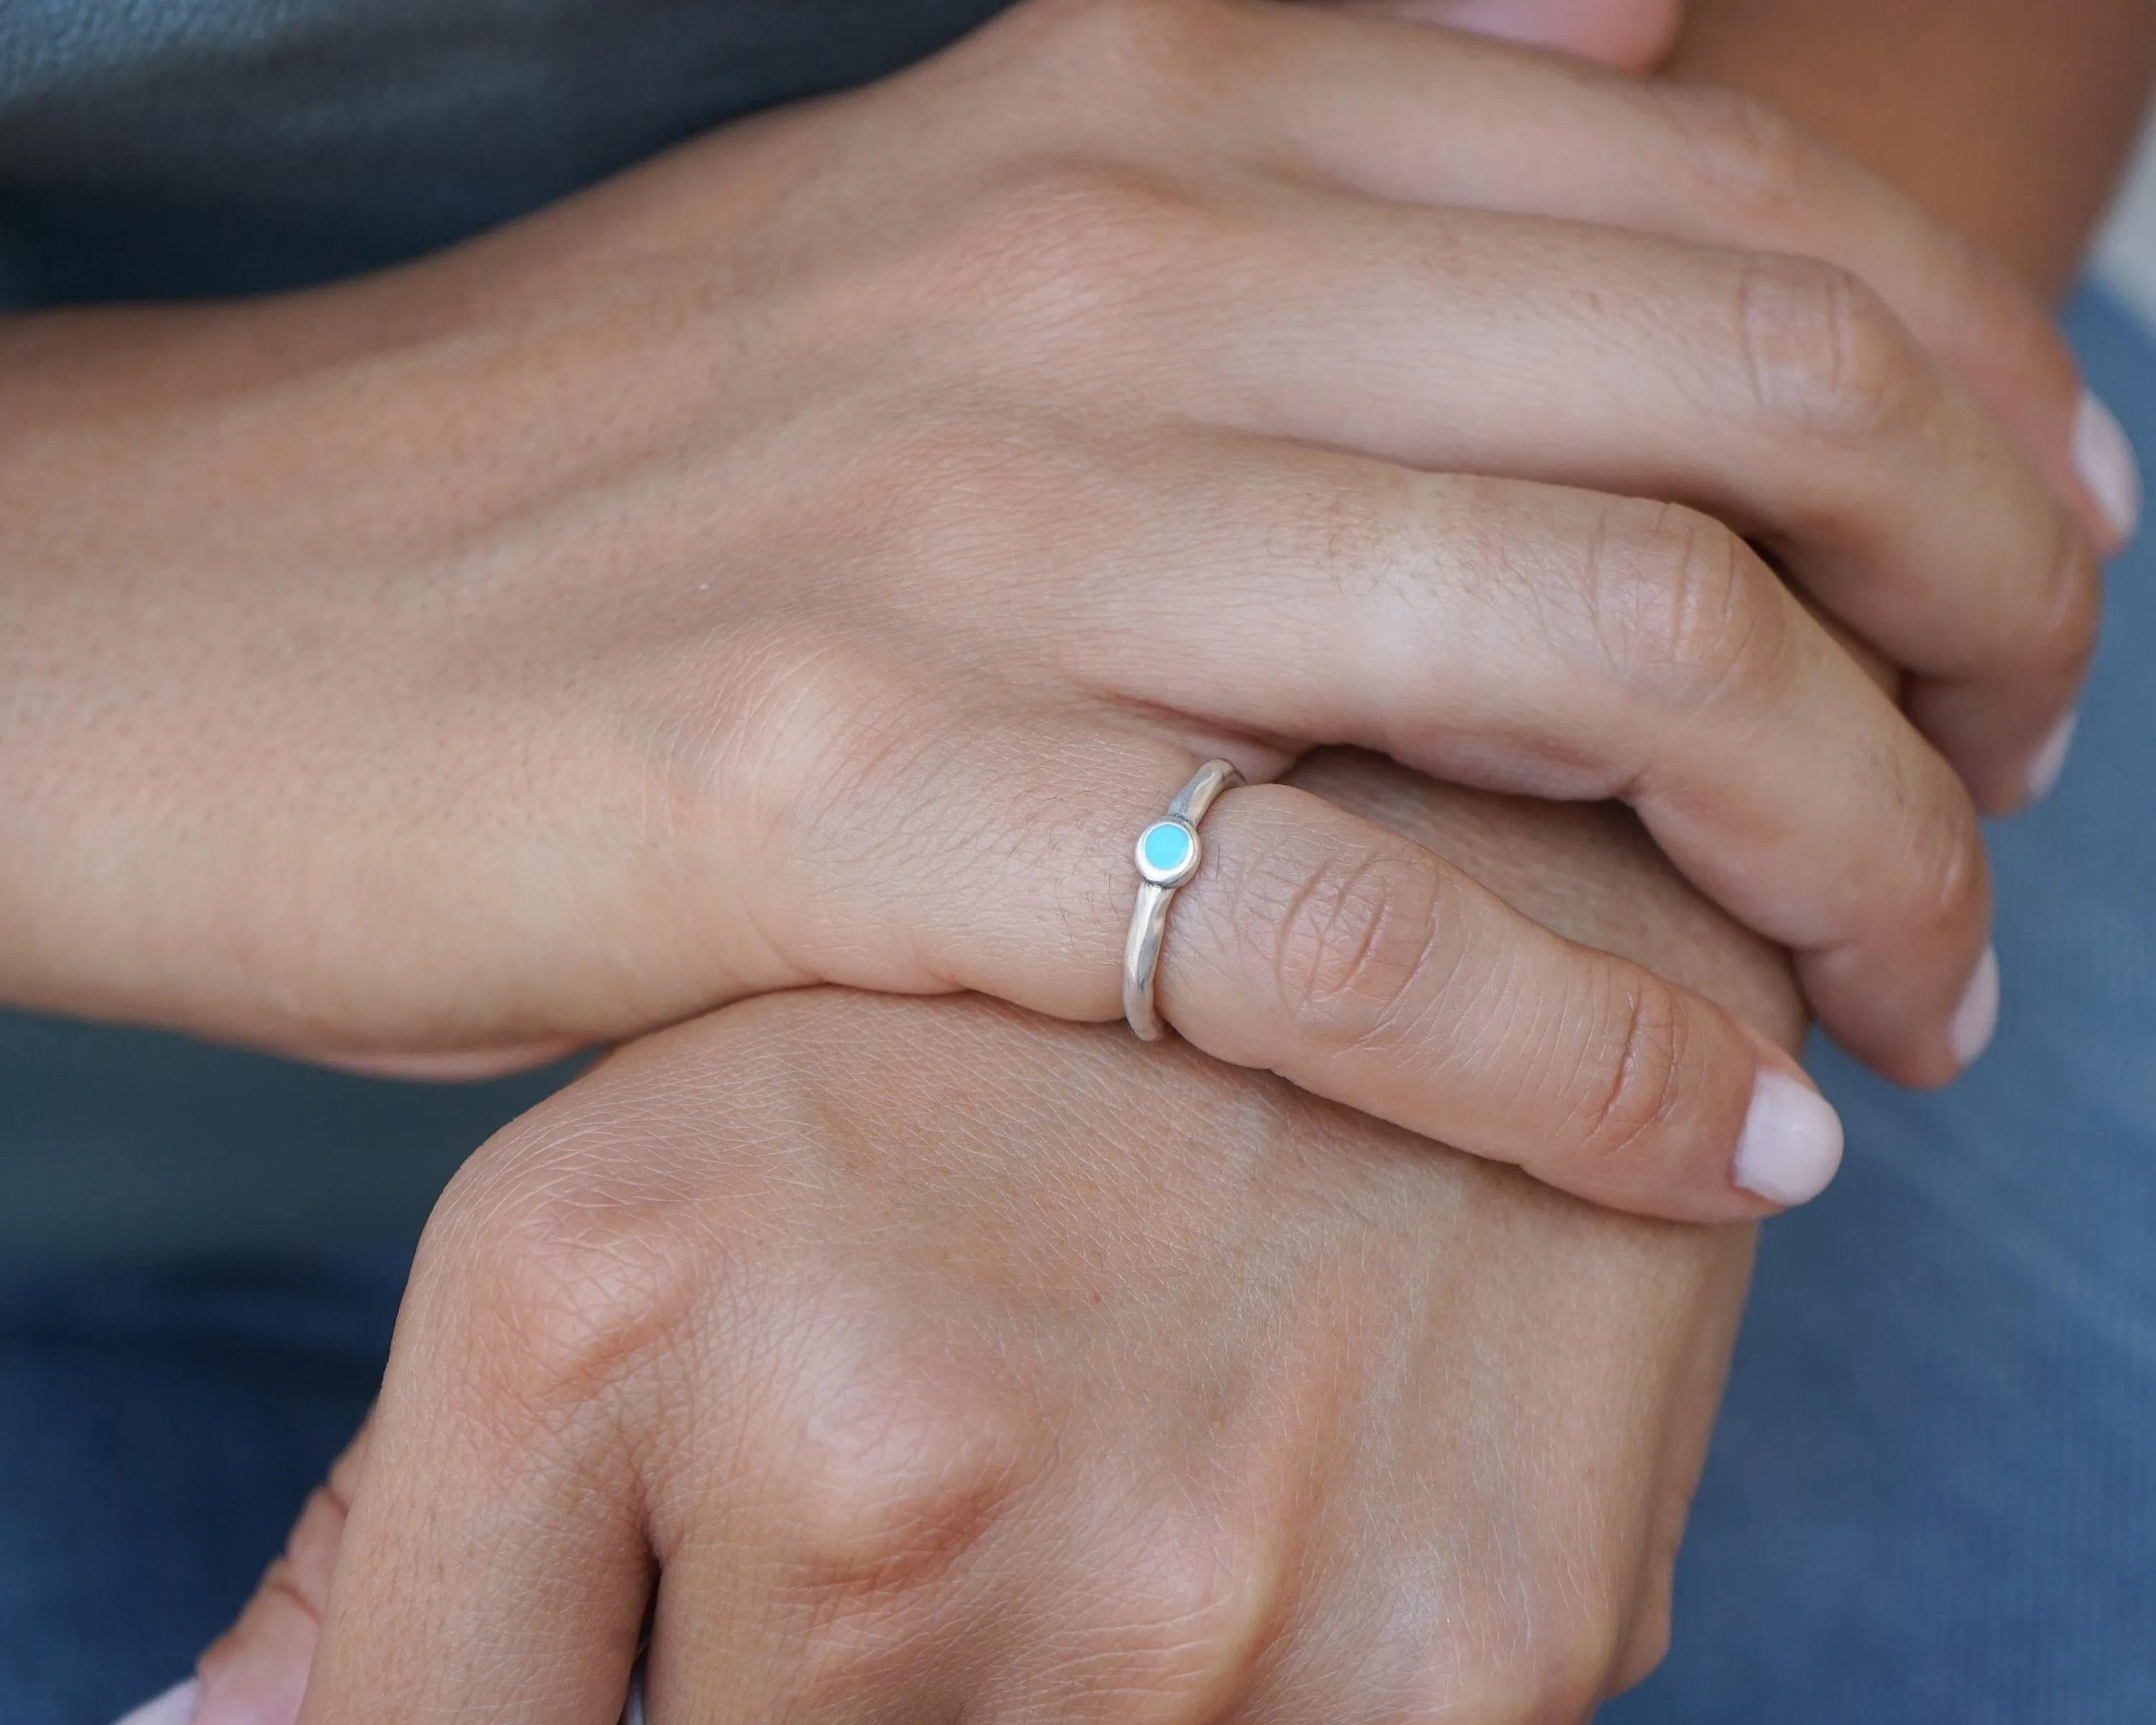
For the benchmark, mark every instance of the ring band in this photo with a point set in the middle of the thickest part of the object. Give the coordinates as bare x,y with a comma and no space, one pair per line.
1167,854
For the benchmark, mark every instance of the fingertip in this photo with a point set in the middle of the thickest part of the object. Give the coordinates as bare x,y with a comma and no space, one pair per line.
175,1706
1975,1017
1791,1146
2050,760
2110,470
257,1675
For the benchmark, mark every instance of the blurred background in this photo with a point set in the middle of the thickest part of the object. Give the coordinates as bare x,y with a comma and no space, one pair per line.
2125,261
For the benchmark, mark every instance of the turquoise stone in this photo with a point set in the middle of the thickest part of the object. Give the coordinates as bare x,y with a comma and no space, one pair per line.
1167,846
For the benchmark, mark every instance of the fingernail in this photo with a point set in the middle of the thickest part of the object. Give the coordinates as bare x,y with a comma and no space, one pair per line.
1969,1033
1792,1142
2051,759
175,1706
2109,466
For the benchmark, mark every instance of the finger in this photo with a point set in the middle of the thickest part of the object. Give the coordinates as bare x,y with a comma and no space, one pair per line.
175,1706
1717,167
492,1566
1781,393
1635,33
1365,969
256,1673
1777,394
1550,642
1588,870
1314,944
1442,125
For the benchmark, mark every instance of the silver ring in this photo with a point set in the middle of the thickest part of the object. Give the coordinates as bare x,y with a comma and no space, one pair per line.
1167,854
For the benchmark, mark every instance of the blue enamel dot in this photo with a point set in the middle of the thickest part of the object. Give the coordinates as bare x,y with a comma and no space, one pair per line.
1167,846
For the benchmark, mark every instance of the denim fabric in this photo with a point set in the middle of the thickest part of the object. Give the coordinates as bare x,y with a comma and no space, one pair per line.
1932,1493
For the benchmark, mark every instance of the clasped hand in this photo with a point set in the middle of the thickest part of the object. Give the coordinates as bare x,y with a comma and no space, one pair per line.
925,1360
812,557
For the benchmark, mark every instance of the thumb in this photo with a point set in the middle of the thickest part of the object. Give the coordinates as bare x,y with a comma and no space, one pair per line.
1633,33
256,1671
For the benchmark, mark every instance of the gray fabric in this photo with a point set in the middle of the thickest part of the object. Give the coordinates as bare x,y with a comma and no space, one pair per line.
159,147
118,1144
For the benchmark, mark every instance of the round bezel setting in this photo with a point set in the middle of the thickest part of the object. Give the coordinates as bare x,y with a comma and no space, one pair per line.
1167,852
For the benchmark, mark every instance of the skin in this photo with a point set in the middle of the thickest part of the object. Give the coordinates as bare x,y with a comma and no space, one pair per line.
969,503
1671,1294
936,1360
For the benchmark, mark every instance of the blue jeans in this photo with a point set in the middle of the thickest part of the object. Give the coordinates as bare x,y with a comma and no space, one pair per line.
1932,1493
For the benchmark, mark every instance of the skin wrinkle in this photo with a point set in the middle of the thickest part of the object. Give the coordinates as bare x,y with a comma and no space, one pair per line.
1823,353
1375,969
1677,610
1651,1042
1735,149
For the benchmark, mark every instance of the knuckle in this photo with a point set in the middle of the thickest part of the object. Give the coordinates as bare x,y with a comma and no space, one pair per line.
1081,257
785,759
1681,610
556,1282
1633,1080
1354,935
895,1463
1822,354
1500,1661
1183,1613
1558,1681
1145,49
1738,152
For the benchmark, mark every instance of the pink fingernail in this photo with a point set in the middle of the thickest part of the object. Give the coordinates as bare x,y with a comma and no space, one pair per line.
2108,467
1968,1032
175,1706
2050,758
1792,1141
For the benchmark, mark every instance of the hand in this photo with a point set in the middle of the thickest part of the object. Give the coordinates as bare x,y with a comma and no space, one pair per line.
814,556
939,1361
1633,33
